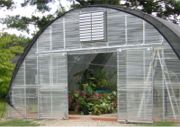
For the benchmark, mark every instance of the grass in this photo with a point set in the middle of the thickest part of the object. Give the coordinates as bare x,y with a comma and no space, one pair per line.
2,108
18,122
162,123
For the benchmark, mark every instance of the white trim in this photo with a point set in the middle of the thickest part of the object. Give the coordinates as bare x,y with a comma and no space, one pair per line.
103,47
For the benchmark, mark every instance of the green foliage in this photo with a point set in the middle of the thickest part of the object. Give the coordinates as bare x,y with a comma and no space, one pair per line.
18,122
6,3
41,4
22,23
11,46
95,95
97,79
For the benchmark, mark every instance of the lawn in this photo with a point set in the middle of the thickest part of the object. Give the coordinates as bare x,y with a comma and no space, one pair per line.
18,122
162,123
2,108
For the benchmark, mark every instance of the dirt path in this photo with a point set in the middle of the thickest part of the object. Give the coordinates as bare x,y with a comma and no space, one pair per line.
81,122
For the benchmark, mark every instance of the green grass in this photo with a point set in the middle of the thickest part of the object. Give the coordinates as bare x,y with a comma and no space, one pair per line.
162,123
18,122
2,108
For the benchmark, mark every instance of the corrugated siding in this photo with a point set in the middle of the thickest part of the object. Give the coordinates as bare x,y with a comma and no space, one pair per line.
40,87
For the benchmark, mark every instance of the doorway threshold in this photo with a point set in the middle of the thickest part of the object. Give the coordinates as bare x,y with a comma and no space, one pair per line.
94,117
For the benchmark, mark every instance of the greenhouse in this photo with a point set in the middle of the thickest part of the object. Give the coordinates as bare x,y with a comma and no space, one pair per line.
120,58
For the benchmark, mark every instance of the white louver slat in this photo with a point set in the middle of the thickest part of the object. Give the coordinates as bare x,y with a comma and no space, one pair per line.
92,26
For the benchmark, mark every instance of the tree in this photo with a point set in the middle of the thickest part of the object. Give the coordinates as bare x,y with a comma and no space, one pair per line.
167,9
6,3
11,46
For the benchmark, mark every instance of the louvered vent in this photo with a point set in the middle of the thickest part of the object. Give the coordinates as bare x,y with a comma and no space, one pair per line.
92,26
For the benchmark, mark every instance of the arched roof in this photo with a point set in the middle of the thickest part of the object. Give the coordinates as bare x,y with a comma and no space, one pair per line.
169,31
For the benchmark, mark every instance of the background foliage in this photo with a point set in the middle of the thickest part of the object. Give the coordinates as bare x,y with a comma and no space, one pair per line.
11,46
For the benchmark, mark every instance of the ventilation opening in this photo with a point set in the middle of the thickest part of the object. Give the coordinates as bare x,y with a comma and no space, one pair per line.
92,26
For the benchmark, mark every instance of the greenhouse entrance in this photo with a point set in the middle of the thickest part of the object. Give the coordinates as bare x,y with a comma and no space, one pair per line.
92,84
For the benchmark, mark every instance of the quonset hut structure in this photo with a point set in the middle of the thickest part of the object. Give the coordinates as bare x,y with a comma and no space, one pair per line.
145,50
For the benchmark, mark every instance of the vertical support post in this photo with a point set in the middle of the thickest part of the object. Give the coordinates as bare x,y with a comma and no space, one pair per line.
118,83
145,82
51,84
144,32
38,89
50,36
126,37
64,32
66,72
50,69
163,89
25,95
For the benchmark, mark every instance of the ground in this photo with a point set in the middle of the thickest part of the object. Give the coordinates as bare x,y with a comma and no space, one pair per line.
84,121
79,122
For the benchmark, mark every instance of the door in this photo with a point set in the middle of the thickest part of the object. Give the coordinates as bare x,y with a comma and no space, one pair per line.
52,91
134,79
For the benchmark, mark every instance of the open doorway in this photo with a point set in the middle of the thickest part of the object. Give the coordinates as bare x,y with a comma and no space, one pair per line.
92,84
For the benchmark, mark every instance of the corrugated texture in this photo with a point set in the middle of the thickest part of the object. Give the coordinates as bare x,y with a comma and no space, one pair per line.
148,70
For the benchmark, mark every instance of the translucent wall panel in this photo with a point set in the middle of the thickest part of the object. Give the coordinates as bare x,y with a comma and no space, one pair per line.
71,27
19,100
151,35
134,30
137,91
53,86
19,80
31,102
44,70
18,94
166,84
57,35
116,27
31,86
121,85
31,71
43,42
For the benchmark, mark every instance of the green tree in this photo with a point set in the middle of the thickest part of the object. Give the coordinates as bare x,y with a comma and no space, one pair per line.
11,46
6,3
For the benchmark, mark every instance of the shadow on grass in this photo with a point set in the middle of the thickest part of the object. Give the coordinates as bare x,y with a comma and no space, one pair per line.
18,122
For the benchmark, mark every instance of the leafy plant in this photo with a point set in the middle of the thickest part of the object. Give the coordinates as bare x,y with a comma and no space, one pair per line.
95,95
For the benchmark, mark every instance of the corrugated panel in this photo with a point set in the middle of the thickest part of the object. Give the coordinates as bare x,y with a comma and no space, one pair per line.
72,31
57,35
43,42
151,34
134,30
31,71
135,85
116,27
53,98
